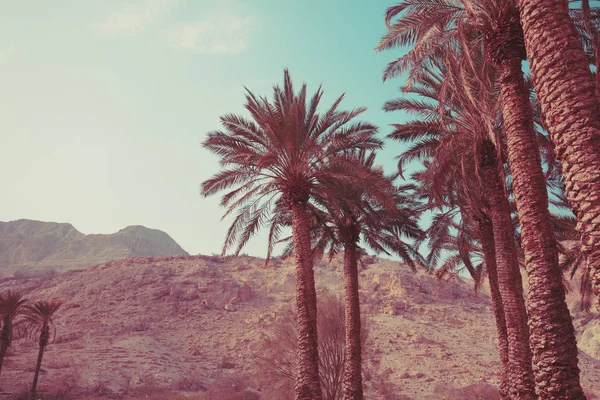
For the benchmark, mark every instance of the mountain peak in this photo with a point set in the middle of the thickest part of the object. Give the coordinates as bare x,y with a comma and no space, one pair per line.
38,244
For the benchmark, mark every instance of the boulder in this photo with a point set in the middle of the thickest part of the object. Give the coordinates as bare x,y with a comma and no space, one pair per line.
590,339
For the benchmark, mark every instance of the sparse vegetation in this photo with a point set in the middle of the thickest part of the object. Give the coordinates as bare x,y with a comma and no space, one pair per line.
276,356
39,318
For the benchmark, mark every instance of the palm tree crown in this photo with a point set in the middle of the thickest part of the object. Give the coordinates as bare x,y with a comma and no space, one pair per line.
287,153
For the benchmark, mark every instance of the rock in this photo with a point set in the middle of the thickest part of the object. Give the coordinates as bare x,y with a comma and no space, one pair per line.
206,303
418,338
590,339
230,307
160,293
176,293
193,351
191,294
244,292
399,307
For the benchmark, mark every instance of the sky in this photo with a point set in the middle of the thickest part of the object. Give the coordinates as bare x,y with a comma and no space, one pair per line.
104,104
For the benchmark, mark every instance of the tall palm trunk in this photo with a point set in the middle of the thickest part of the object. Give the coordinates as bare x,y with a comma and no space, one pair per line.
552,335
520,374
352,383
565,88
4,340
307,377
44,337
486,237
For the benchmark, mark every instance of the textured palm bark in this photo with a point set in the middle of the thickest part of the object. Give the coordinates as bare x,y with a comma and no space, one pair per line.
4,339
520,373
352,383
551,330
486,237
44,337
307,385
565,88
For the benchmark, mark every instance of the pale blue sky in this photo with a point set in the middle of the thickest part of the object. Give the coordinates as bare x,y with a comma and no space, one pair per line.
103,104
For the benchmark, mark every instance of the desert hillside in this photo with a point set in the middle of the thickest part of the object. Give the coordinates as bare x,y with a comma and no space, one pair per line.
165,328
27,244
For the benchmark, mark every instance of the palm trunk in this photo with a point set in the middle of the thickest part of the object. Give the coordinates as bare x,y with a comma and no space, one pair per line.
520,373
486,237
307,377
352,383
4,340
3,350
552,335
44,336
565,87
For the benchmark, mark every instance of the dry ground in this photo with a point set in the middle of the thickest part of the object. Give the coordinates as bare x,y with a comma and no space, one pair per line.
143,328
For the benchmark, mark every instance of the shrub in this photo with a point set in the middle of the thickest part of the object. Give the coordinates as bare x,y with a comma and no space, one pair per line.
276,358
227,363
234,388
478,391
30,273
190,383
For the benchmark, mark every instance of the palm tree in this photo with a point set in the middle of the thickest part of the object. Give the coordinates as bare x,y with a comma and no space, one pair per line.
383,231
455,135
39,318
587,22
566,91
465,26
11,306
286,155
383,218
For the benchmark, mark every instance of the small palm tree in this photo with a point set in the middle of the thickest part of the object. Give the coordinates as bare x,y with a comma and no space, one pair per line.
11,306
39,318
365,219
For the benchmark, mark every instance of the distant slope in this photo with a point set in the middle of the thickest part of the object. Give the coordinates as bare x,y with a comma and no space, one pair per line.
37,244
156,327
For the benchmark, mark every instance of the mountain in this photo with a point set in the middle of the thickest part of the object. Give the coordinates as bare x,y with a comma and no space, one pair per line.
28,244
196,327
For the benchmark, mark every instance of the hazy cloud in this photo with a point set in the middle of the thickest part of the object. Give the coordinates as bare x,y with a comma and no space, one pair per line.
222,26
219,32
133,17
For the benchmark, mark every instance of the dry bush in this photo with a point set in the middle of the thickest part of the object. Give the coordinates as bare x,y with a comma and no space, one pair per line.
101,389
226,363
63,387
139,325
59,364
191,383
150,391
276,358
386,390
69,337
234,388
30,273
477,391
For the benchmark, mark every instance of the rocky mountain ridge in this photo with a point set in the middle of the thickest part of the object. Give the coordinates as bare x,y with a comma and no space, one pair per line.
34,245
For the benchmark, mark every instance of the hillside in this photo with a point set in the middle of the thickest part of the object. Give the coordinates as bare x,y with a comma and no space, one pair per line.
27,244
150,328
